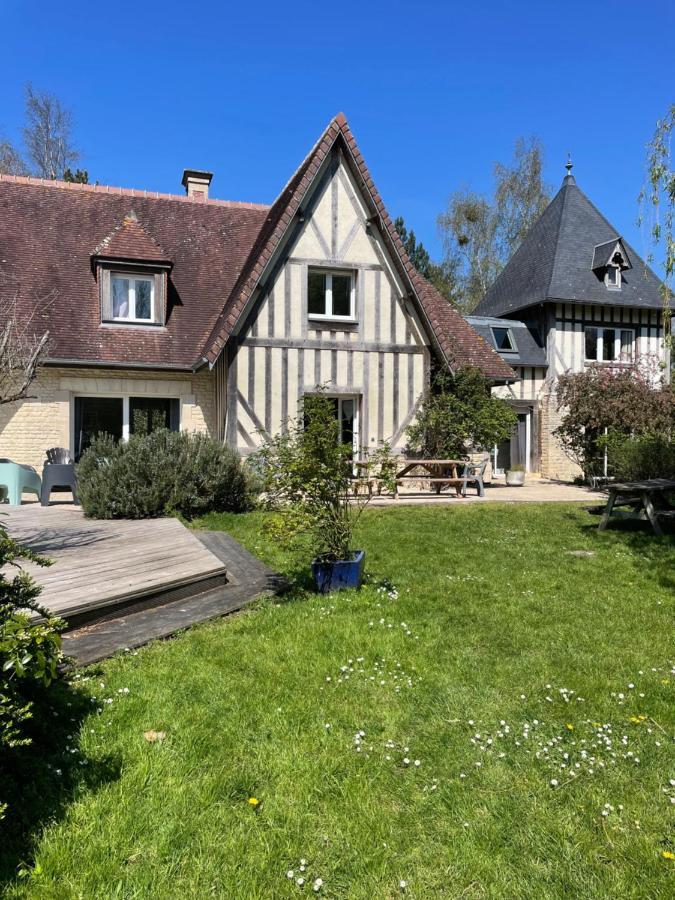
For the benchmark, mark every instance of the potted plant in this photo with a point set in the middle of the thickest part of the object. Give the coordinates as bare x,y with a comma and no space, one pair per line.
515,476
308,477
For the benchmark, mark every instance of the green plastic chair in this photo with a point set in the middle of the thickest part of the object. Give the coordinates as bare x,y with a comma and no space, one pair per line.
17,480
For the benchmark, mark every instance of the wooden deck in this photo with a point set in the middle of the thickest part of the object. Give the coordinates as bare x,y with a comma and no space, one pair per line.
99,563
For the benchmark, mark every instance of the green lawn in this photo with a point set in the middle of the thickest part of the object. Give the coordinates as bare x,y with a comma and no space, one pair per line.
533,687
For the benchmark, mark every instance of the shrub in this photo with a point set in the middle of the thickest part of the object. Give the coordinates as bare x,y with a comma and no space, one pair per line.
29,651
638,457
626,401
307,479
159,473
459,413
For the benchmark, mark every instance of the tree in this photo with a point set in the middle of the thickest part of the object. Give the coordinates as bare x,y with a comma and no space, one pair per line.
480,235
659,194
616,401
11,162
79,176
48,134
23,344
459,414
442,275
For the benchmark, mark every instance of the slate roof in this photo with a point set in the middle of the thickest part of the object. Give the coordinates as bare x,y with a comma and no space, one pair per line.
554,262
529,350
217,250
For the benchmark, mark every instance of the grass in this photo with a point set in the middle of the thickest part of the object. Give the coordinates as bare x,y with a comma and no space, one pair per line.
499,617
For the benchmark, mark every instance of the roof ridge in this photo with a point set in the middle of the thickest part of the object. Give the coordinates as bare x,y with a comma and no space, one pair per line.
127,192
565,187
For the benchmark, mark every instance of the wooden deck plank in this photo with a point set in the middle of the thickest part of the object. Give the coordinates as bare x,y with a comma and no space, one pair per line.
98,562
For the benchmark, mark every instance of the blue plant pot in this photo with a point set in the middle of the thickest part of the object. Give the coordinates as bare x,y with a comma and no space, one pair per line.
343,573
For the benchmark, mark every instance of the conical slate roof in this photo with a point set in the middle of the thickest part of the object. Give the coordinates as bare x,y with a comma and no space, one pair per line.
555,262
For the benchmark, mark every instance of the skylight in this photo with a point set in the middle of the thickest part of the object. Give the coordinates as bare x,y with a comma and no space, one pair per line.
504,340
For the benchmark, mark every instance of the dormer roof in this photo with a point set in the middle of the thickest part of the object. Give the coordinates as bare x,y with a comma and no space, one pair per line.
130,242
611,253
563,257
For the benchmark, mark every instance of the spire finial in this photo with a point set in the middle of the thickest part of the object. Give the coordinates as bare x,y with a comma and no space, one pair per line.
569,165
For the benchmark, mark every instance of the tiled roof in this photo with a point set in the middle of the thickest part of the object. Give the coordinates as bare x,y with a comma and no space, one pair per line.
129,240
457,341
555,262
219,251
48,233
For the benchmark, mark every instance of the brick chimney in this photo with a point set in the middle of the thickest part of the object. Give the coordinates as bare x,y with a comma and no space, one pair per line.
196,183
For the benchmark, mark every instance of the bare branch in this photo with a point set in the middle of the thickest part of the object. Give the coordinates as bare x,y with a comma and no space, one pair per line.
23,342
47,134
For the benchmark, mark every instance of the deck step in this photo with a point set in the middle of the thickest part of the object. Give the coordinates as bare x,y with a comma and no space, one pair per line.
159,617
91,643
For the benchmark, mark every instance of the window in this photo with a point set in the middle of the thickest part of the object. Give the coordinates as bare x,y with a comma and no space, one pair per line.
504,340
132,298
613,277
330,295
120,417
609,344
346,411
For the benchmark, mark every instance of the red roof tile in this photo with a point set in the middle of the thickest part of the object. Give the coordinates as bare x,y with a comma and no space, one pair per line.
219,251
48,232
456,339
129,240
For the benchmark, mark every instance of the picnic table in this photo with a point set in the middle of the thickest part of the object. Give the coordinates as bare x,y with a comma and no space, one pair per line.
648,498
439,473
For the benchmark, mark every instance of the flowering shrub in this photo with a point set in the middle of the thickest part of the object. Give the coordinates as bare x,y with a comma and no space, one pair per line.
459,414
29,651
623,401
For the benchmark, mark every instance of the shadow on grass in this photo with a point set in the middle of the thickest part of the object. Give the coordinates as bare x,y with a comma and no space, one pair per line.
650,553
38,781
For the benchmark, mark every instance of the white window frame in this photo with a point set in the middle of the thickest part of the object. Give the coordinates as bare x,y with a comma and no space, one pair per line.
600,344
613,285
329,273
132,277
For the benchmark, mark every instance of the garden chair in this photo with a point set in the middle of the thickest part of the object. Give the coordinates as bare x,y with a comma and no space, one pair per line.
473,474
58,474
18,479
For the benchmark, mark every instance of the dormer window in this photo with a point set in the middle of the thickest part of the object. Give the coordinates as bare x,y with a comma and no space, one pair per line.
613,277
609,261
133,298
503,339
132,272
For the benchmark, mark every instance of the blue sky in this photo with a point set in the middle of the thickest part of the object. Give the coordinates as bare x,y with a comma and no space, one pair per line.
434,92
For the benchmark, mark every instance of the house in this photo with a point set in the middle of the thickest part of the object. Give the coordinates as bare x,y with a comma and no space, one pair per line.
574,294
218,316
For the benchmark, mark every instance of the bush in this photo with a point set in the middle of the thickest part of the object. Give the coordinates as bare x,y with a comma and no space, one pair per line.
161,473
625,401
459,414
30,651
640,457
307,479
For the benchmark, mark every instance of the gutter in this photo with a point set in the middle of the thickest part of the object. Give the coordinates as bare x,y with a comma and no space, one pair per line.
116,364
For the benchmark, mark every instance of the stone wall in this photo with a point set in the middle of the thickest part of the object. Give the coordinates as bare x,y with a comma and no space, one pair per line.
29,428
554,462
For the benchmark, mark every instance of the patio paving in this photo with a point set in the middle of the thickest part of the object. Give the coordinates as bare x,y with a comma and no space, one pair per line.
535,490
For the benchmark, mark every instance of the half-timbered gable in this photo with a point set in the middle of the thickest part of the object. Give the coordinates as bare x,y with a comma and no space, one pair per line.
220,316
367,344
